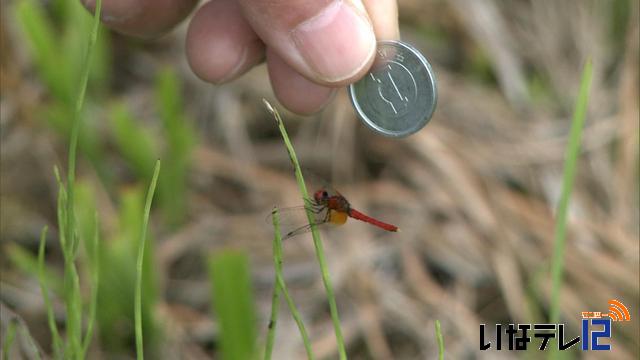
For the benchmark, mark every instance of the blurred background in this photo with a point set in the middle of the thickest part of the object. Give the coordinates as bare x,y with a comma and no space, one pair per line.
474,192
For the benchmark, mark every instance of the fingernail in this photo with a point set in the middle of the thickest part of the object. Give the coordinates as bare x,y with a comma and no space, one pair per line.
115,11
336,43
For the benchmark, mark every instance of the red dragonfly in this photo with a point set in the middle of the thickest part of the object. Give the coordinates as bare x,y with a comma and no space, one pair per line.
331,208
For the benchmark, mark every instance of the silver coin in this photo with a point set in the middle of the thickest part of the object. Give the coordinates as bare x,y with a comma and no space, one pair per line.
398,96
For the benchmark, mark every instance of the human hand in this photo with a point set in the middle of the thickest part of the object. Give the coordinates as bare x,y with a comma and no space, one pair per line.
311,47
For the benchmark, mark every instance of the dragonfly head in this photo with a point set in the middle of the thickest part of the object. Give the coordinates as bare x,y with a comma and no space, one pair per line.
321,196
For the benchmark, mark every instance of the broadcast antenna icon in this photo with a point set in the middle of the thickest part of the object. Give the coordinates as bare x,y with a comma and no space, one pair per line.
617,311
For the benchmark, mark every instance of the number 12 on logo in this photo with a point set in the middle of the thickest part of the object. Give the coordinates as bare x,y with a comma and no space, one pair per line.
592,340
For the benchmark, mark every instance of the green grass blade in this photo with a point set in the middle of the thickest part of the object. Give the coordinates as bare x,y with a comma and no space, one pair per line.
141,247
43,45
27,262
233,303
61,211
7,342
282,286
95,278
31,344
75,129
73,300
180,140
71,283
571,160
279,286
315,234
296,316
55,335
134,142
72,41
440,341
275,299
118,254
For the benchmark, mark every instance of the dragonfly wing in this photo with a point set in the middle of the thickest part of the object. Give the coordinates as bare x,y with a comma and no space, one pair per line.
286,215
294,220
296,215
302,230
295,232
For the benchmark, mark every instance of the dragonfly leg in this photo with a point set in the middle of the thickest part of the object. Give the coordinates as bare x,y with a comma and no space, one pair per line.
315,208
327,216
300,230
307,227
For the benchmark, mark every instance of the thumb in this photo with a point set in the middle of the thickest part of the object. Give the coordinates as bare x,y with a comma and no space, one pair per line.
330,42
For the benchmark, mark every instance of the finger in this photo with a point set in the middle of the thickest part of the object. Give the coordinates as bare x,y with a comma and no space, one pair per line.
294,91
143,18
384,17
220,43
330,42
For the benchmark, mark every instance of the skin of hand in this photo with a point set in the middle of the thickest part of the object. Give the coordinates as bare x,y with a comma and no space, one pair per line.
311,47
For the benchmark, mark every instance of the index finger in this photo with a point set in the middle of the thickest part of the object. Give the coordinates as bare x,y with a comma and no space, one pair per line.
142,18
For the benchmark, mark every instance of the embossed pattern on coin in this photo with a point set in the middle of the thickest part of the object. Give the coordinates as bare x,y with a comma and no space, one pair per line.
398,96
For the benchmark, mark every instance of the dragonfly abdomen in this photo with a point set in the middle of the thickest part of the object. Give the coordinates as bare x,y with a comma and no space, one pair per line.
368,219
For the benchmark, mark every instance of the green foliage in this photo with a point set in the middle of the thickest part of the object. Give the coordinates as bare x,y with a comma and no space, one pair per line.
58,48
540,90
43,45
275,300
140,269
71,228
322,262
279,286
75,344
440,340
118,277
27,262
55,335
233,303
7,342
570,165
133,141
621,11
140,259
55,37
180,139
138,147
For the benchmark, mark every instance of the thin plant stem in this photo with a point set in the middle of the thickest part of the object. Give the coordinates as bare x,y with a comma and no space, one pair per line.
141,246
281,286
70,241
95,278
44,288
271,328
73,302
24,332
571,160
296,316
570,165
7,342
82,90
440,341
314,233
275,299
